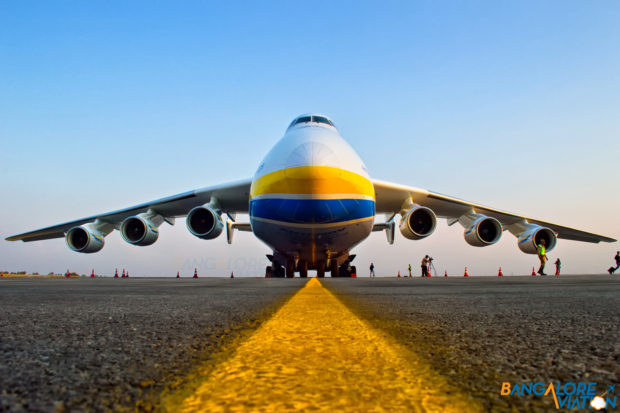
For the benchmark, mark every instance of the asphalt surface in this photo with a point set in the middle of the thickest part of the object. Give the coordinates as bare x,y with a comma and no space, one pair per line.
119,344
481,331
104,344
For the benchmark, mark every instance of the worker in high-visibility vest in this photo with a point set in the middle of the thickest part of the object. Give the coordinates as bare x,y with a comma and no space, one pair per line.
542,257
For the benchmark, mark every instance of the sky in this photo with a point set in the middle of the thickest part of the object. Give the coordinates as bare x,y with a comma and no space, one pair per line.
106,104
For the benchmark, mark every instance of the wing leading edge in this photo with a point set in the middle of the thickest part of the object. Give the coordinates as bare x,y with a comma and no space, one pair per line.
231,197
390,198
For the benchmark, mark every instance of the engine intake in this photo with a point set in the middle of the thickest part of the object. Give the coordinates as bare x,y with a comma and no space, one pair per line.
204,223
419,222
84,239
529,239
139,230
483,231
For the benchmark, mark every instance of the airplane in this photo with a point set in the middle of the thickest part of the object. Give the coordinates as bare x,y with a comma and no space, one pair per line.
311,201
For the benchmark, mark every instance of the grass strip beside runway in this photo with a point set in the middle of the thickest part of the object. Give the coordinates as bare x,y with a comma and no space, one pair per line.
315,354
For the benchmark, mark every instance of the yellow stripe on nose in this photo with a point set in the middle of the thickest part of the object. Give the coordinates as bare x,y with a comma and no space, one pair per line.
316,355
312,180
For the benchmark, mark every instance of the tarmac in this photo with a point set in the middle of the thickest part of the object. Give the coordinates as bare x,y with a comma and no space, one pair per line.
102,344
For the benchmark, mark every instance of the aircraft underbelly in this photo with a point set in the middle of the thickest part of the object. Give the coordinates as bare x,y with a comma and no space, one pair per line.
312,243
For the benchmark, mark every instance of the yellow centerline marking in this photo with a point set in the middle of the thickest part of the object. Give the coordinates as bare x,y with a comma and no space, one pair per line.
315,354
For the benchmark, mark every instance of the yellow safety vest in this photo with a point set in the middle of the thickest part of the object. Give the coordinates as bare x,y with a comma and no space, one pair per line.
541,249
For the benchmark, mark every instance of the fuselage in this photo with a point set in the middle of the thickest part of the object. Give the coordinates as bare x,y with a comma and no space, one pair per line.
311,198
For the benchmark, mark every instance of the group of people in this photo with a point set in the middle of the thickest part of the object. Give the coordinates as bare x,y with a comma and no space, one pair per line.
427,262
542,256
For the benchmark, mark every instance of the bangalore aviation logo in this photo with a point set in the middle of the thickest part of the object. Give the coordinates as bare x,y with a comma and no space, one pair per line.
569,395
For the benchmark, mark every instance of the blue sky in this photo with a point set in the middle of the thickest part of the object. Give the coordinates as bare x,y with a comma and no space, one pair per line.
108,104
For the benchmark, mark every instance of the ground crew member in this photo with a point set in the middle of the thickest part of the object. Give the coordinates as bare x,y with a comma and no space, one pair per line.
372,269
558,265
542,256
611,270
409,270
425,266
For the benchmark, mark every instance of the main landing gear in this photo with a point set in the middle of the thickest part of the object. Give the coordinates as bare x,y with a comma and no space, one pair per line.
277,270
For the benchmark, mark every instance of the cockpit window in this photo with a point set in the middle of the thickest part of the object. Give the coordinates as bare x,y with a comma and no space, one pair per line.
321,119
306,119
303,119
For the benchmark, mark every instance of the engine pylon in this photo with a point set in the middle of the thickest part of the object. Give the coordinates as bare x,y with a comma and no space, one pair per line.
500,273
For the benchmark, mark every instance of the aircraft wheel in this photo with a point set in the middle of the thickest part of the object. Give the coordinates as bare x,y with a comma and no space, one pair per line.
333,268
303,269
277,270
320,269
290,269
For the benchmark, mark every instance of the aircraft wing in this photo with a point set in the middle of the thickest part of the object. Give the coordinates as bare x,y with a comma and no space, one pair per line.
390,198
231,197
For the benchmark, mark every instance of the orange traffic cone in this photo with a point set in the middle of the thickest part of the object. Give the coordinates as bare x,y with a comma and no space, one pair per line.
123,276
1,275
67,274
178,275
116,273
232,274
466,273
445,274
195,272
92,274
398,274
500,273
533,272
127,273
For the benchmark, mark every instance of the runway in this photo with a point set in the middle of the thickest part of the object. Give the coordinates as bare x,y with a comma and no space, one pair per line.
385,343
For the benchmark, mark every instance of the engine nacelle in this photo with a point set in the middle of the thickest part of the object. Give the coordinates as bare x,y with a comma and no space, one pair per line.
84,239
529,239
483,231
418,223
204,223
139,230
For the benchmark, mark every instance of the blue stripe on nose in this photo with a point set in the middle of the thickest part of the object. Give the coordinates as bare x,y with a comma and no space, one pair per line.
312,211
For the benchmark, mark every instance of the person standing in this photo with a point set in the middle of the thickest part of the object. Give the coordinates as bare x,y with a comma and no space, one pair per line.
611,270
409,270
372,269
424,266
542,256
558,266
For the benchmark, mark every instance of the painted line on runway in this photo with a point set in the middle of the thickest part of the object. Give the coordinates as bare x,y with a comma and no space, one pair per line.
315,354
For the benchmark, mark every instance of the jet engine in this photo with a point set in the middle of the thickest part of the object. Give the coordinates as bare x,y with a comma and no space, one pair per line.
140,230
530,238
482,231
84,239
419,222
204,222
